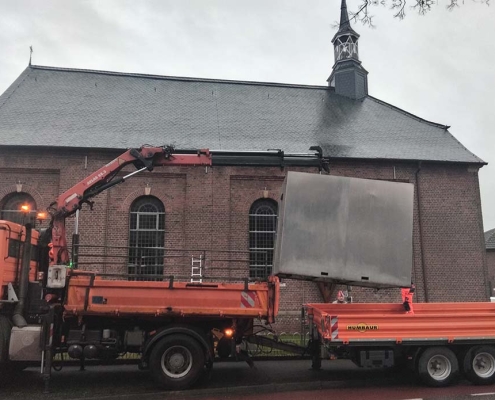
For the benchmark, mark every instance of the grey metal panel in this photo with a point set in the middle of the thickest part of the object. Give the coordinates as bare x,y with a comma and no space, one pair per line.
347,230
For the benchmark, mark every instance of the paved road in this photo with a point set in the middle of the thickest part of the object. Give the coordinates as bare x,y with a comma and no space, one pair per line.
272,380
459,393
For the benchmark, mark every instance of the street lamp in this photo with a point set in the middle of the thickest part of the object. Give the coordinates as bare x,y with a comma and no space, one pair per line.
41,216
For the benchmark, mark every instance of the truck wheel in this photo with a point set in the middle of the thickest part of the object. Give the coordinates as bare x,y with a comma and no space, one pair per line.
438,367
479,365
177,361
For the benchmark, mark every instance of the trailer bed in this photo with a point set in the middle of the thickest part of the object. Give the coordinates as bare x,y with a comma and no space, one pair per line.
374,324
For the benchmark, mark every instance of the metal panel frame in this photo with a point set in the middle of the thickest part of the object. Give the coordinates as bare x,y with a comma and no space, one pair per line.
345,230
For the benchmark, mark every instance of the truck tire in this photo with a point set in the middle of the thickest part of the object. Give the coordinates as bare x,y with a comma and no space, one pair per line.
479,365
177,361
438,367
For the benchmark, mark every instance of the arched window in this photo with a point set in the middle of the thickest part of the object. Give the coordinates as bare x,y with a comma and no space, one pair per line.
11,208
262,229
146,238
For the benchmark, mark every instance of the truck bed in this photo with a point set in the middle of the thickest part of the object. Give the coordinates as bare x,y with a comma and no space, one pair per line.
368,324
90,294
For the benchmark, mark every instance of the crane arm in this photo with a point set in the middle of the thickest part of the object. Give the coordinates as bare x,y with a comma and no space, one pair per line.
144,158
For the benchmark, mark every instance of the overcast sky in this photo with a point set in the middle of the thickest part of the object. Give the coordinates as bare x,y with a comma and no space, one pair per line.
439,67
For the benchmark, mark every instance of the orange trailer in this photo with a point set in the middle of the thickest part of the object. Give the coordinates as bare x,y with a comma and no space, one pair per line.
438,340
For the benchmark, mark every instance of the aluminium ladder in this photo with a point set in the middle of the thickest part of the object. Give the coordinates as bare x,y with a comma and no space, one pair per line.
197,269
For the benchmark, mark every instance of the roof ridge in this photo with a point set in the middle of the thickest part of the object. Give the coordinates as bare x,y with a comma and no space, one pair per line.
178,78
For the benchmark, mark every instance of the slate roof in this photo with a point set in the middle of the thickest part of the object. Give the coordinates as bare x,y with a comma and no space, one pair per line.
49,106
490,239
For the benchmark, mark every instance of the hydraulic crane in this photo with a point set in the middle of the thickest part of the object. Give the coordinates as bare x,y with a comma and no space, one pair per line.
144,159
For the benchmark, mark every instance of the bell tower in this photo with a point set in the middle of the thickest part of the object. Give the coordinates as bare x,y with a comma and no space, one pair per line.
348,77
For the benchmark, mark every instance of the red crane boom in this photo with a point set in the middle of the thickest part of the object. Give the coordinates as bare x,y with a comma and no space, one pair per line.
144,158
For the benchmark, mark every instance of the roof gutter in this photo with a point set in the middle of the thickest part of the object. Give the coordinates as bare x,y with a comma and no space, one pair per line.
118,150
480,163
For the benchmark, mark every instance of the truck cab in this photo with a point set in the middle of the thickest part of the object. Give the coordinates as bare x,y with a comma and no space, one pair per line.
12,238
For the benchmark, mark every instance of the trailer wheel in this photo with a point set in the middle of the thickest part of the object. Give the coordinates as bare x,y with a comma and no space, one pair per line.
438,367
177,361
479,365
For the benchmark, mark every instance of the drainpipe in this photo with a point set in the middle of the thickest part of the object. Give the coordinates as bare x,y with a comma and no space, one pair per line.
18,317
421,236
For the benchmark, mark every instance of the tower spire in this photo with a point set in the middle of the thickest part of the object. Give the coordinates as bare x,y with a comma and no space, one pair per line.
348,77
345,22
344,16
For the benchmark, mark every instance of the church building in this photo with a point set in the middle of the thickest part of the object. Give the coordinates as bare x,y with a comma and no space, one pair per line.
57,125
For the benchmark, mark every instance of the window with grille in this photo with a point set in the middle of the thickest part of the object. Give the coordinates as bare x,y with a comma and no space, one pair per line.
146,239
262,229
11,208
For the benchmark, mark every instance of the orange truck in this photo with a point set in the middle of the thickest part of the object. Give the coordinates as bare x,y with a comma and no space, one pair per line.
177,328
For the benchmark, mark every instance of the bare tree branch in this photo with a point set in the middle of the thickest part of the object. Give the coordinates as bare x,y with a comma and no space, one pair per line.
399,7
424,6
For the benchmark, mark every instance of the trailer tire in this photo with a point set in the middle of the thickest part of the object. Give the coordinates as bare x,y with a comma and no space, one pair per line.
438,367
479,365
177,361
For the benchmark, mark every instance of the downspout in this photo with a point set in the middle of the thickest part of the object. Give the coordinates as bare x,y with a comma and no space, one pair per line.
421,236
489,289
18,317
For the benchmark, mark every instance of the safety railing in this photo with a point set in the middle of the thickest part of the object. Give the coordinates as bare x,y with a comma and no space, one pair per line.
149,263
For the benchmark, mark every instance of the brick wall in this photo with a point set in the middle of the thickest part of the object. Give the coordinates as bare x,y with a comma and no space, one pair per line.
207,213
